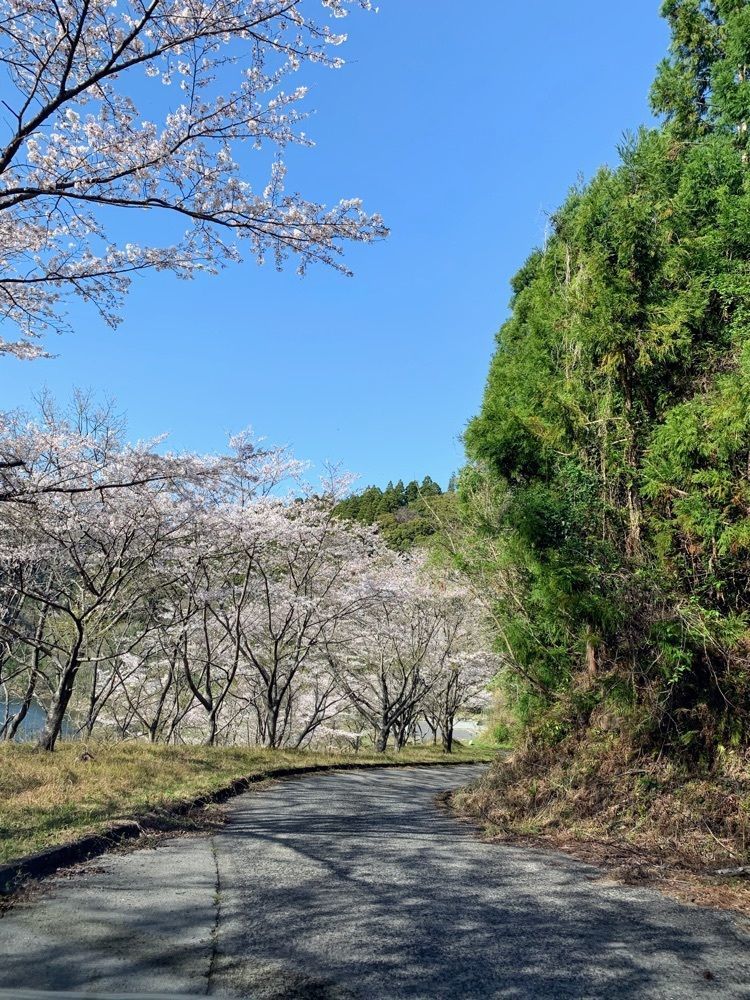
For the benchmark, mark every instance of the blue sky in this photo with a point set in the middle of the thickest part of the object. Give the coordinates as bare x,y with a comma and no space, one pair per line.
464,132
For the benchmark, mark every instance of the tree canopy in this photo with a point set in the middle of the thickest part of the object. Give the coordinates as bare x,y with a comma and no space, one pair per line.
609,483
402,512
154,106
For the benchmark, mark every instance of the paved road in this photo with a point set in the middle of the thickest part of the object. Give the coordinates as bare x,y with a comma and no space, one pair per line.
353,885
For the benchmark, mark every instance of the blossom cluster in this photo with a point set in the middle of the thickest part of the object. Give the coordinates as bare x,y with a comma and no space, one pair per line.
153,105
148,594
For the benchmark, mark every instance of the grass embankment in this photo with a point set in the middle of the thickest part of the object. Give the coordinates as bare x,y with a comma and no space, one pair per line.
47,799
644,819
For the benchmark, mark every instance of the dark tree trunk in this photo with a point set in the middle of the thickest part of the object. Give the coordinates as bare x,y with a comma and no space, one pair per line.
92,712
58,707
272,721
381,739
155,725
61,698
401,735
448,737
15,721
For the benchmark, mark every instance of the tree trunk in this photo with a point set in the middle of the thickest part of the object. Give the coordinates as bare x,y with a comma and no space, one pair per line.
92,712
632,456
633,544
448,737
61,698
272,722
14,723
381,739
58,707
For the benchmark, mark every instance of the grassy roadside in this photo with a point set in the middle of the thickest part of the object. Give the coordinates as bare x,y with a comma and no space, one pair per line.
645,820
47,799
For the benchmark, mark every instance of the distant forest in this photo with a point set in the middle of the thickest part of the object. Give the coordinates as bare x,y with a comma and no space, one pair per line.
402,512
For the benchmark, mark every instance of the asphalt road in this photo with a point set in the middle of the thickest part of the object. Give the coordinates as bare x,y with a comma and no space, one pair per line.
354,885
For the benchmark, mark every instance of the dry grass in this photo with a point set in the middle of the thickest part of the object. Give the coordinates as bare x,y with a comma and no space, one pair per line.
47,799
644,820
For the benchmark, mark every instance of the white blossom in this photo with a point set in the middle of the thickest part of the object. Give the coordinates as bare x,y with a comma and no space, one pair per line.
75,144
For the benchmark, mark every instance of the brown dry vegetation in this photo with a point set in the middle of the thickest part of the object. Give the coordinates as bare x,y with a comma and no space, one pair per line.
641,818
47,799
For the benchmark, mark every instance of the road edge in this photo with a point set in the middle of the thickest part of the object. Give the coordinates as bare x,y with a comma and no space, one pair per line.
14,875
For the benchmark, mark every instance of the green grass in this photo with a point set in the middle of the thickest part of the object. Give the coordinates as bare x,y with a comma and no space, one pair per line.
47,799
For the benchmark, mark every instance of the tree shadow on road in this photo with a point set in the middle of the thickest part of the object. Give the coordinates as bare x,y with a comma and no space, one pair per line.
368,886
355,885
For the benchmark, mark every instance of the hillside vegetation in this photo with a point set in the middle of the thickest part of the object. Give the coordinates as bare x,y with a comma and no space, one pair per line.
403,514
605,509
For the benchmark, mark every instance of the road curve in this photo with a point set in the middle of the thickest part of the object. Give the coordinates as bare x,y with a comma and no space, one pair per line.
354,885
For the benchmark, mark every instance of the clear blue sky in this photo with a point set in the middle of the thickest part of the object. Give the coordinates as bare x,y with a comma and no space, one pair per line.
464,132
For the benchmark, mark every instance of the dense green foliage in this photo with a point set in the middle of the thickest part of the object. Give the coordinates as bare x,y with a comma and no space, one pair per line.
608,498
403,513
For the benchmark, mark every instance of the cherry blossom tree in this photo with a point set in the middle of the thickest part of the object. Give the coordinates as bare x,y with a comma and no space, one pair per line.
81,449
97,551
418,648
317,703
153,698
68,452
205,601
382,663
461,663
114,108
90,543
304,567
185,598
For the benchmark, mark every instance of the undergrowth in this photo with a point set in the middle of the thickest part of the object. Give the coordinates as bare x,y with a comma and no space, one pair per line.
645,817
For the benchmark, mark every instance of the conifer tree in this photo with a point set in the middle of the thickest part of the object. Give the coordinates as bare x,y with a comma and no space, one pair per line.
607,501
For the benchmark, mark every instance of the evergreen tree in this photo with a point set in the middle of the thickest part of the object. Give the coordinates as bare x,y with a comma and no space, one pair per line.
429,488
614,434
411,493
401,512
